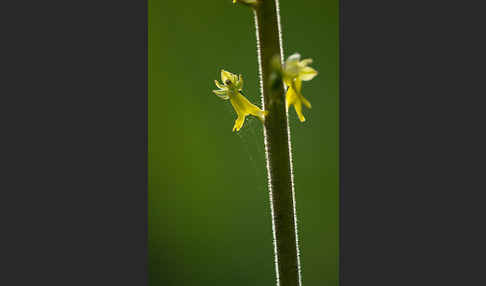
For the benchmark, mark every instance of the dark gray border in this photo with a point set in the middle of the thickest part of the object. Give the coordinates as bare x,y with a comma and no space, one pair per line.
74,101
74,105
412,143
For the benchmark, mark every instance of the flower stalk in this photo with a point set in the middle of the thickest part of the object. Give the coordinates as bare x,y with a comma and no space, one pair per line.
277,144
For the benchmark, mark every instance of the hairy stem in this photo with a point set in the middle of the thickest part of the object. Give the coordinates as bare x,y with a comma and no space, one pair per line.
277,146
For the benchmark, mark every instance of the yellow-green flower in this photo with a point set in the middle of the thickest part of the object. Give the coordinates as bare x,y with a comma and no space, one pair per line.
294,72
231,89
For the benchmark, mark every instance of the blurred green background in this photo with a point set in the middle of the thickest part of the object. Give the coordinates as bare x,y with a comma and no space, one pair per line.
208,213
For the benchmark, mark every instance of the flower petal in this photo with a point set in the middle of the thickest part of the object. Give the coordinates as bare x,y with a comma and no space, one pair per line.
298,109
305,62
257,112
244,107
239,122
307,73
225,75
305,102
220,86
221,94
290,97
240,82
297,85
296,99
293,58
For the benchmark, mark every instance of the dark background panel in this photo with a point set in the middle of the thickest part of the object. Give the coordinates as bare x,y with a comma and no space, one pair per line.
73,106
410,149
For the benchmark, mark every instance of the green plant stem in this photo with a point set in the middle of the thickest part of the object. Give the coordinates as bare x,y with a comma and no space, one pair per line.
277,146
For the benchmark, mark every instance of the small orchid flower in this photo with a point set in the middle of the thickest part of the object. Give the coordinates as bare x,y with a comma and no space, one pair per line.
231,89
294,72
